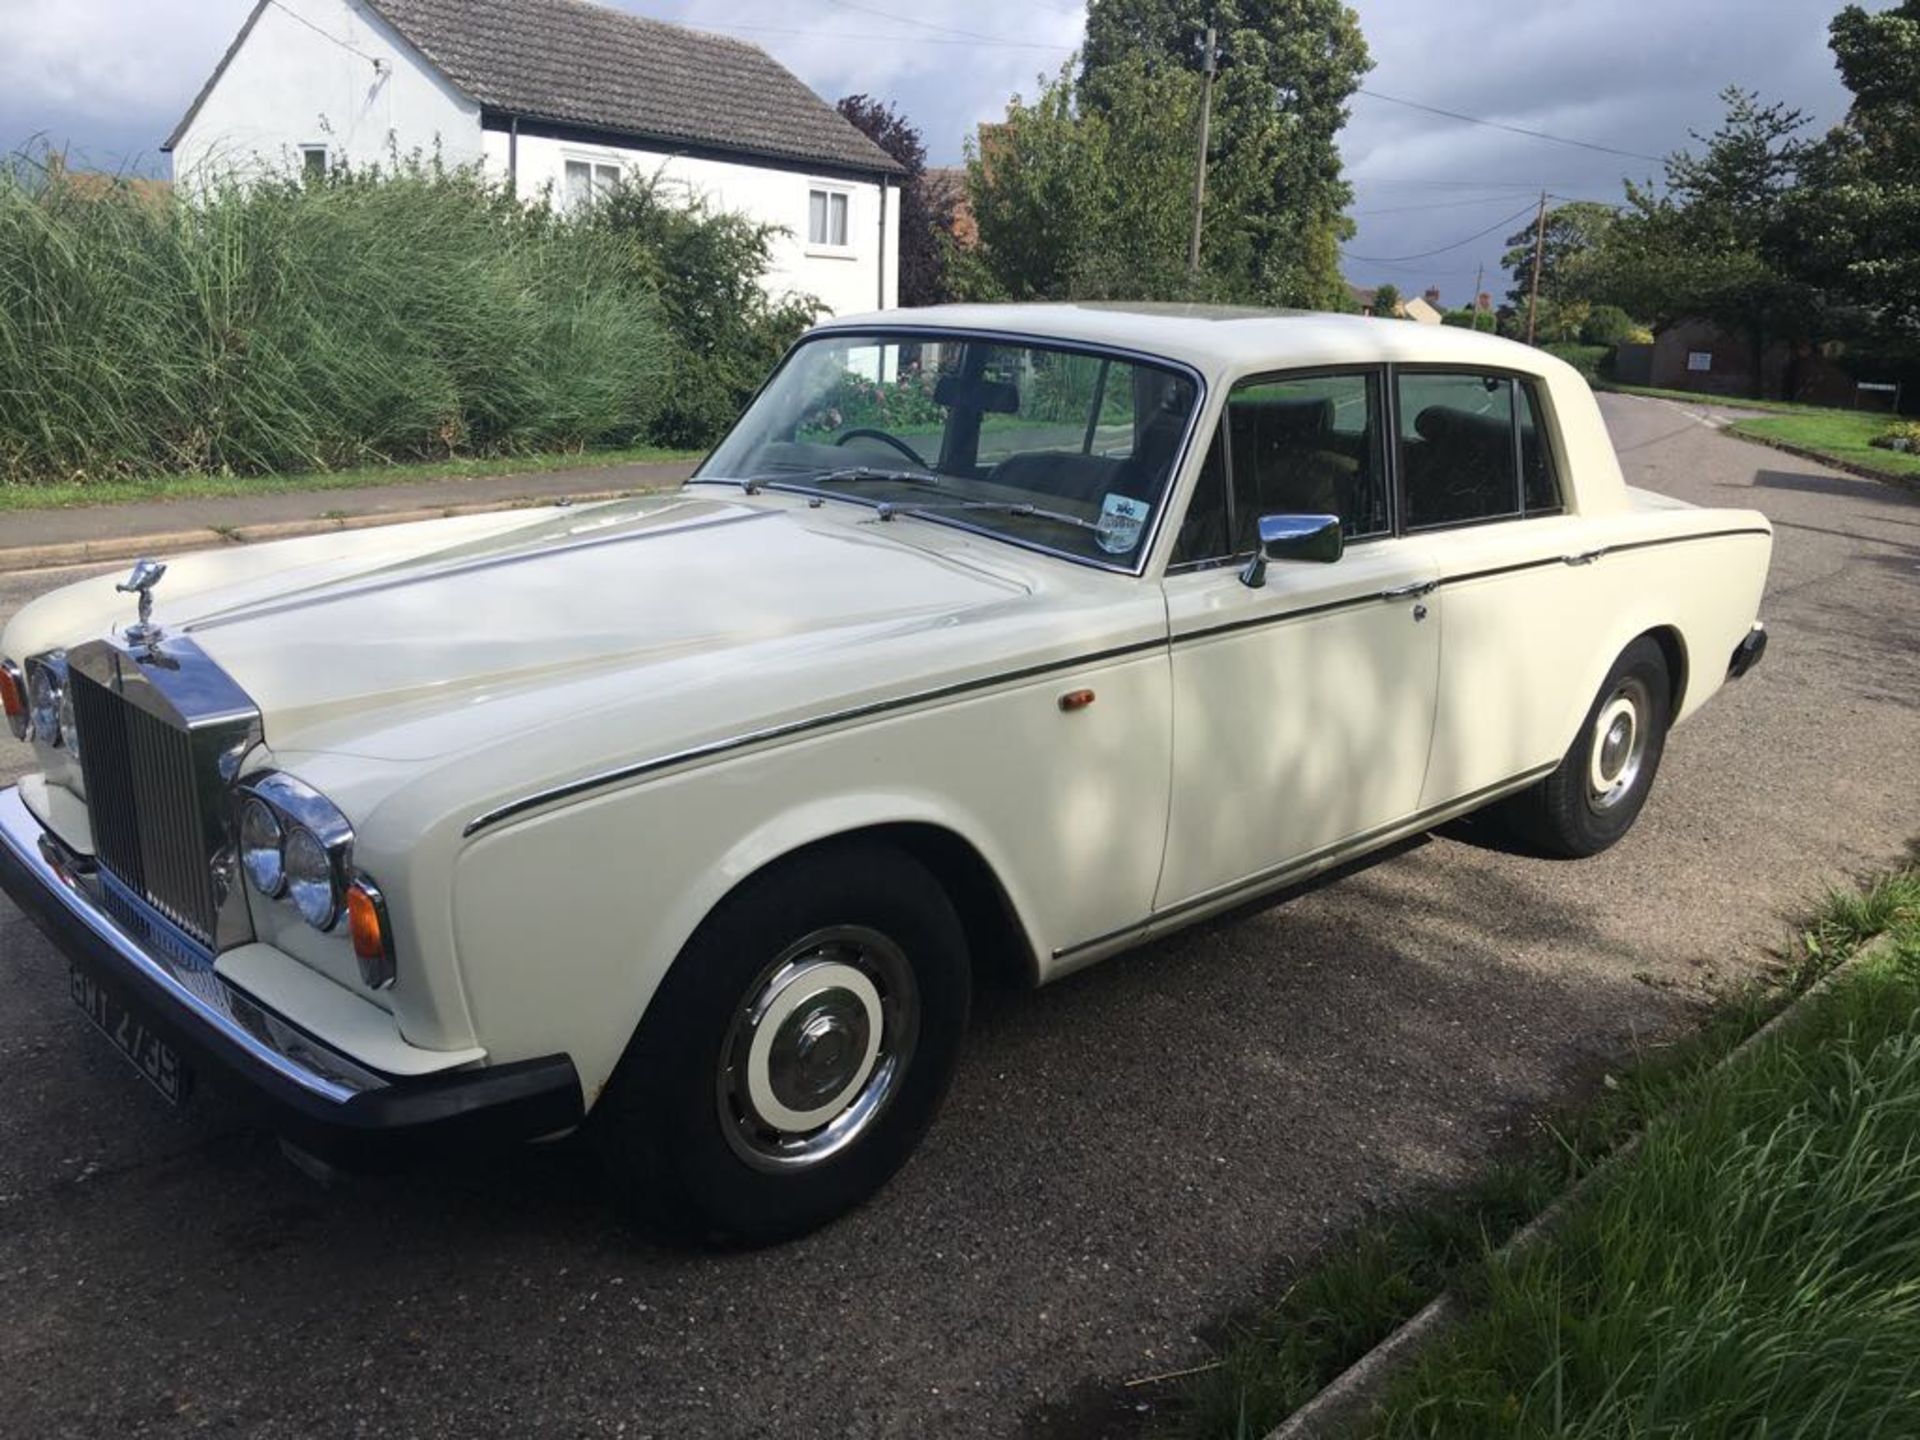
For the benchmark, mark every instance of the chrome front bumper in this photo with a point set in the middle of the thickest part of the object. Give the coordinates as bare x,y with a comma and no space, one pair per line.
323,1100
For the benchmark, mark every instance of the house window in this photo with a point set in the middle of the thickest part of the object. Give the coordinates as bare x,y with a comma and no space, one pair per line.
827,218
313,161
1700,360
588,181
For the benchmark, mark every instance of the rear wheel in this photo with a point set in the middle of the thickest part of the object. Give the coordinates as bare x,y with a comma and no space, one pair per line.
795,1053
1595,794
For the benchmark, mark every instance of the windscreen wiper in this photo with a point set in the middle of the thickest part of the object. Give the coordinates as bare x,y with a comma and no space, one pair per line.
851,475
1004,507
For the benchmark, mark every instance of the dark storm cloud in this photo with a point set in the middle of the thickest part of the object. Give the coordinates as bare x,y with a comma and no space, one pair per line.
110,77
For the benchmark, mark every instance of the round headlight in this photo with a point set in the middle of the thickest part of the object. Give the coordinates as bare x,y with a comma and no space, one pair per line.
310,880
45,700
261,840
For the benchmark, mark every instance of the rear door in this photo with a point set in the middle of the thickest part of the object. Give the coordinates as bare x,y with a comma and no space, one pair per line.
1480,483
1302,708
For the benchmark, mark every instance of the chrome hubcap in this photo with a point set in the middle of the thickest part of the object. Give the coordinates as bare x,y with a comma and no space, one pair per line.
1619,749
817,1047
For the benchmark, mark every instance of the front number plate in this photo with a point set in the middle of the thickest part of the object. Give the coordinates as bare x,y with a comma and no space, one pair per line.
149,1054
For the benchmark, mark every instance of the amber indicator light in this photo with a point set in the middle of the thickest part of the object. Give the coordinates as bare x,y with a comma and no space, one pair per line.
1076,700
363,924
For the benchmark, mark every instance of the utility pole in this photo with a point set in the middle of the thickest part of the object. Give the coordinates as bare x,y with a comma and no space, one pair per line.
1200,162
1539,244
1479,276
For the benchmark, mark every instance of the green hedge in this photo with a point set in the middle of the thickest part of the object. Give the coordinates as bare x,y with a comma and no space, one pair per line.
1584,358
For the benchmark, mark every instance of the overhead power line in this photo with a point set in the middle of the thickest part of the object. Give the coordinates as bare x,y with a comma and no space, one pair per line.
1510,129
1440,250
1504,197
940,29
327,35
878,39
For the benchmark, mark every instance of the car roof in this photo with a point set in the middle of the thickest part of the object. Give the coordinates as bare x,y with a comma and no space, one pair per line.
1222,340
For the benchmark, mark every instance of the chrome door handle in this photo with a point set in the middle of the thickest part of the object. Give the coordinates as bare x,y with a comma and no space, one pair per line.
1409,592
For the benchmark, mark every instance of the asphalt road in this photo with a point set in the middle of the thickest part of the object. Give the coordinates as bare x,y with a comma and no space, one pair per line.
1126,1157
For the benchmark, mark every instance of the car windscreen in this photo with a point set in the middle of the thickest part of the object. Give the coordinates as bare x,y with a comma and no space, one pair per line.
1049,446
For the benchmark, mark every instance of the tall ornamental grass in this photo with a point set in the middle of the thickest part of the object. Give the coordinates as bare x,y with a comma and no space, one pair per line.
296,325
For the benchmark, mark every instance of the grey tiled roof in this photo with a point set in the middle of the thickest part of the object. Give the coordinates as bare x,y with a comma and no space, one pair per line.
580,64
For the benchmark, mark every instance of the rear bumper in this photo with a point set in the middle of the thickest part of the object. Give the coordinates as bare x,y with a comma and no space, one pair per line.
323,1101
1748,652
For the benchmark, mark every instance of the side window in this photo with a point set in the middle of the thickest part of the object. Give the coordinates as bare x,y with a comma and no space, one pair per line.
1308,445
1299,445
1539,487
1458,452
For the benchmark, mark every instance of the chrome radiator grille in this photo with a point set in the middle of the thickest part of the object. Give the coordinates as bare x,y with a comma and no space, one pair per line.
162,732
143,799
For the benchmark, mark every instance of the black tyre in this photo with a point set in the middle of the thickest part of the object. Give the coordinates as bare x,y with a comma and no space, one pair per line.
796,1052
1593,797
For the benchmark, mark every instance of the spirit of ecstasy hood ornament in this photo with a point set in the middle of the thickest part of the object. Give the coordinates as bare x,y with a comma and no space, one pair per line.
146,574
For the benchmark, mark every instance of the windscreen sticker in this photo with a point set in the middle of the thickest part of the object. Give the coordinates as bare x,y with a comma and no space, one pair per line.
1121,521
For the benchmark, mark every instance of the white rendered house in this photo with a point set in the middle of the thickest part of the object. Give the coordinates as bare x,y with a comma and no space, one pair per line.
559,94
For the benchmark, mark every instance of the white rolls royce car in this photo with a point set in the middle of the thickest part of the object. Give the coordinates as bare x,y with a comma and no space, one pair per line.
1007,636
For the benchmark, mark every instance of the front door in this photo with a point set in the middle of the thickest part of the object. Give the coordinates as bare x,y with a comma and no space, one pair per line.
1303,708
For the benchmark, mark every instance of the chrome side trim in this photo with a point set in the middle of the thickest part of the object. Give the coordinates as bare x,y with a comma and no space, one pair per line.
603,778
181,970
1251,887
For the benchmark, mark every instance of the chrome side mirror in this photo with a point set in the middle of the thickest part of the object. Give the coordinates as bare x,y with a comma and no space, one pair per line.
1294,537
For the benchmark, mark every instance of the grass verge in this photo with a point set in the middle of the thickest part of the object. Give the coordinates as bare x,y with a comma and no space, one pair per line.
1734,402
1838,436
66,495
1380,1277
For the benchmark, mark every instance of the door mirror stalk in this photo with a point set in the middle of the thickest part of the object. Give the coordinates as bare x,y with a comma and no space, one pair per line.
1293,537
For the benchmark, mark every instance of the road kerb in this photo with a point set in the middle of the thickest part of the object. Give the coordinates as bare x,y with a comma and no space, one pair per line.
91,552
1346,1401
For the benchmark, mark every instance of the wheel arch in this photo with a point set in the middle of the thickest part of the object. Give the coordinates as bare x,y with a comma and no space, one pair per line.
997,938
1674,646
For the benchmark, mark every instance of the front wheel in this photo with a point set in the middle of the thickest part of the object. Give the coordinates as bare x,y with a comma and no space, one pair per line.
1595,794
795,1053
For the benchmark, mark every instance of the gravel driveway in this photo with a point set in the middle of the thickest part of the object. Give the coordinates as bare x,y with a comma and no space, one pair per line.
1126,1157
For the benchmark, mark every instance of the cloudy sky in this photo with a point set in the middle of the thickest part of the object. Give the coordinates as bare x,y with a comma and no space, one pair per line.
109,77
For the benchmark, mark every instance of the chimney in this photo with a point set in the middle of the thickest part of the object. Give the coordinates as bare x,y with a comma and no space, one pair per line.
1433,296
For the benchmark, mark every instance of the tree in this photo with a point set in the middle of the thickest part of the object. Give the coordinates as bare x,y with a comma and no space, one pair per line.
1853,227
1574,231
1386,301
1077,203
923,278
1711,246
1286,69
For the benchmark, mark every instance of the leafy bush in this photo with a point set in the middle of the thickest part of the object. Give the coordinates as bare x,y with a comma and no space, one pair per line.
1606,325
345,319
899,405
706,266
1903,435
1470,319
1584,358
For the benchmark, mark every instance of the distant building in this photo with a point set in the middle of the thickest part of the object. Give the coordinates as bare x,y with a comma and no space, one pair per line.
556,95
1697,354
1425,309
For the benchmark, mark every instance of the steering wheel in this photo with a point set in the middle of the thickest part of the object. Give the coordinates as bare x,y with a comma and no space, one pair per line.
885,439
